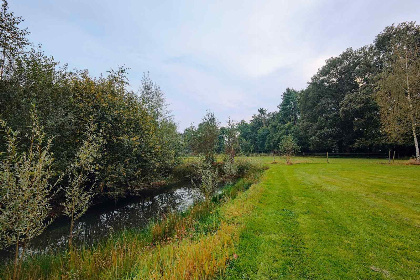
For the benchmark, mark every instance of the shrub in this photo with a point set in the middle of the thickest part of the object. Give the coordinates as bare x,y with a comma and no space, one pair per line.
25,189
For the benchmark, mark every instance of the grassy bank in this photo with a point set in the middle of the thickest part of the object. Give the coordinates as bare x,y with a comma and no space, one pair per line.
350,219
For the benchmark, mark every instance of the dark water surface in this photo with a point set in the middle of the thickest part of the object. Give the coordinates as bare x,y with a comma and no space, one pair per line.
102,220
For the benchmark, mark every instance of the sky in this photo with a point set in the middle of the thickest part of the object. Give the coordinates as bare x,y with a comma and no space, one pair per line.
229,57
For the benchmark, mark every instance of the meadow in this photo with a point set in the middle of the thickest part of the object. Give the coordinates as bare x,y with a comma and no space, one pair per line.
349,219
346,219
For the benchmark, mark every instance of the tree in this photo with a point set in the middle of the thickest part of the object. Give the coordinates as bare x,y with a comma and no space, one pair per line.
152,97
12,38
25,189
245,137
320,103
209,177
398,92
78,194
206,136
338,110
167,138
288,147
283,122
231,140
188,139
231,145
289,107
359,109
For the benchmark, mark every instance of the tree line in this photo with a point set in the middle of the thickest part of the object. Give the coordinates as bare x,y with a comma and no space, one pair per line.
365,100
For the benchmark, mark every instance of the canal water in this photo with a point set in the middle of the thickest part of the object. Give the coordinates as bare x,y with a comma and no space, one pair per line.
101,220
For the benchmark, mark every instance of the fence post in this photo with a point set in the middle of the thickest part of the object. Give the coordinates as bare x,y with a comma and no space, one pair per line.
393,157
327,158
389,156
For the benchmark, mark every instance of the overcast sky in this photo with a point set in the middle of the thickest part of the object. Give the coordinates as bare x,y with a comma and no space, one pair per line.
230,57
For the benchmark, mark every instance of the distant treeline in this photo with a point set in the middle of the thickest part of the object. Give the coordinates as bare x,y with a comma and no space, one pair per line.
364,100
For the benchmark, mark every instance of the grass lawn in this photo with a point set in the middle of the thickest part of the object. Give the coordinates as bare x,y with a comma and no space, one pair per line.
350,219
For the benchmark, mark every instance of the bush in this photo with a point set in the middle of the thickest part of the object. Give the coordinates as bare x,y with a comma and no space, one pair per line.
25,189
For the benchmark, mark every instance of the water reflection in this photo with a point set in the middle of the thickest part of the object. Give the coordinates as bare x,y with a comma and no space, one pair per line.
102,220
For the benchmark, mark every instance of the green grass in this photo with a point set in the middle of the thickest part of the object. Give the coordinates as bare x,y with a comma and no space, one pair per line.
350,219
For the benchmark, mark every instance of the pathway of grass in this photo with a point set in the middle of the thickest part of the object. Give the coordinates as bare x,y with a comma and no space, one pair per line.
351,219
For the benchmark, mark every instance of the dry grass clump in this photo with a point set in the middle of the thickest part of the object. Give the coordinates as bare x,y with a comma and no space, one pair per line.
413,161
203,258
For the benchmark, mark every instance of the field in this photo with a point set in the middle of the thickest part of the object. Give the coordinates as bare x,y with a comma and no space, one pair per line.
350,219
347,219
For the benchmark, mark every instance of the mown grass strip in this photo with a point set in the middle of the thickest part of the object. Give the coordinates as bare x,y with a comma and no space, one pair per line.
350,219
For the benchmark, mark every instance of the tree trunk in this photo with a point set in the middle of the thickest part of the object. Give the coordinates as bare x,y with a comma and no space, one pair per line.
416,144
15,268
3,65
411,112
71,253
71,234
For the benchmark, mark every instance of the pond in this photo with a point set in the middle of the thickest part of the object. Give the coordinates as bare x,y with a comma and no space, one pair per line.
101,220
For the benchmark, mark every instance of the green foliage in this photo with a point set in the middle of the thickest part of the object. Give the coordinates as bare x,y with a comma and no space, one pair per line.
141,141
141,146
288,147
325,98
203,139
399,83
264,131
77,196
339,110
208,176
25,188
230,169
152,98
289,107
231,147
135,141
12,39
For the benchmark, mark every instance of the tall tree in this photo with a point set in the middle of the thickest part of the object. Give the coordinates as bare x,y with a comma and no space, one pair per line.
12,38
398,92
152,97
245,137
289,107
206,137
337,107
231,140
358,109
